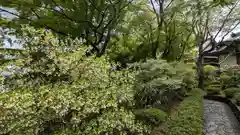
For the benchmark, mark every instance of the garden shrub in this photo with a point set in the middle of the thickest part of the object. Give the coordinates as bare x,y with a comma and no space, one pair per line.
237,98
152,116
213,89
94,100
185,119
96,103
215,82
230,92
209,70
230,78
225,79
210,75
160,83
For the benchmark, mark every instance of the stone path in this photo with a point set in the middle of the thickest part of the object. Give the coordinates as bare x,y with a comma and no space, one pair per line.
219,120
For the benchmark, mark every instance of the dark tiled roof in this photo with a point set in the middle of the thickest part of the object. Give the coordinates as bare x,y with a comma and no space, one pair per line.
223,47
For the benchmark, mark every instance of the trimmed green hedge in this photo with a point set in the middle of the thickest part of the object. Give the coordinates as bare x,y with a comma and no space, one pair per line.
230,92
151,115
237,98
213,89
186,119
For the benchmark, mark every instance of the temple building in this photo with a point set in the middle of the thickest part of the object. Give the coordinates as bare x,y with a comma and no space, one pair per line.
223,54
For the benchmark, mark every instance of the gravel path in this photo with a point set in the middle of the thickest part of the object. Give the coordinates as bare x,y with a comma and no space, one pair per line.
219,120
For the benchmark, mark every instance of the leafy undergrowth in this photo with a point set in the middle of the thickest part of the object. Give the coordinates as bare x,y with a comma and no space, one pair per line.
160,84
185,119
230,79
151,116
96,102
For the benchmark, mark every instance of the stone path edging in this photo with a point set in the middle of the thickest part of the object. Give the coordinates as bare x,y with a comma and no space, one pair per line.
233,107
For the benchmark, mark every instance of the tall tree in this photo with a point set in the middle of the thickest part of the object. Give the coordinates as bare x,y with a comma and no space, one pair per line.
92,20
146,33
173,31
206,25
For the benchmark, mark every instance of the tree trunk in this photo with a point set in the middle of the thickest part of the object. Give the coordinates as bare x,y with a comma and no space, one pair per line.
237,54
199,63
154,49
200,71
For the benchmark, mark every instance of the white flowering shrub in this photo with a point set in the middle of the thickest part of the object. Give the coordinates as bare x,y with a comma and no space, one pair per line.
92,100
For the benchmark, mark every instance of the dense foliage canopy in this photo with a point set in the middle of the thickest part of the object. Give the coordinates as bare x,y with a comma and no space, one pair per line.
108,66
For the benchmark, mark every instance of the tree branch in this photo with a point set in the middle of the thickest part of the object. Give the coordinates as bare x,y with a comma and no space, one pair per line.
48,27
21,17
155,11
230,31
69,18
184,45
225,20
25,18
170,3
225,58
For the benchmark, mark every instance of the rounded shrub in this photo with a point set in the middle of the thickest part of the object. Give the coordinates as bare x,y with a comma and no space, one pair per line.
225,78
226,81
189,81
151,115
213,89
215,82
230,78
209,70
237,98
230,92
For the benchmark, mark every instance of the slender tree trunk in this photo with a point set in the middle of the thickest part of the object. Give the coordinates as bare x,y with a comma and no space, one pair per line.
200,72
200,40
160,20
154,49
237,54
200,63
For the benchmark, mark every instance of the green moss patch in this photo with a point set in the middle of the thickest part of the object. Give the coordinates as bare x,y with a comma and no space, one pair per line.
186,119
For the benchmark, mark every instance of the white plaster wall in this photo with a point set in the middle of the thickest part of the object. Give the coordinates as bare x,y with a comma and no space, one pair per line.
229,61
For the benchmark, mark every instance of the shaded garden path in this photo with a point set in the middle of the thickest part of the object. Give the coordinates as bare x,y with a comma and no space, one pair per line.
219,119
